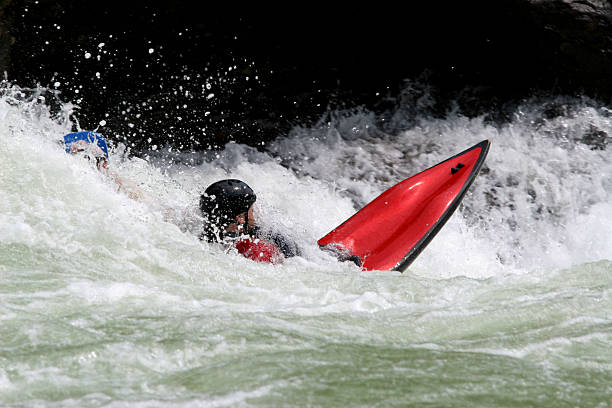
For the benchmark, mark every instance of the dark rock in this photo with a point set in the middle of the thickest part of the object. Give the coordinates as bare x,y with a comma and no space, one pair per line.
575,39
6,40
595,138
473,56
553,110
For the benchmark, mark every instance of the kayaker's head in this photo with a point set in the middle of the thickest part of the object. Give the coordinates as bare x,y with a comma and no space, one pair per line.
227,207
91,145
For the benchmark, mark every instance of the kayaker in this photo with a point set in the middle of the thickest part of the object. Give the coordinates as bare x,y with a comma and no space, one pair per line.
227,208
93,146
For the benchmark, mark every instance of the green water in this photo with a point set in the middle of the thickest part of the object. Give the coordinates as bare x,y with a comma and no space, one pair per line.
104,302
368,339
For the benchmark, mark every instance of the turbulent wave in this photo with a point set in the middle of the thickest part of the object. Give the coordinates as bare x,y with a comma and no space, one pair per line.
108,301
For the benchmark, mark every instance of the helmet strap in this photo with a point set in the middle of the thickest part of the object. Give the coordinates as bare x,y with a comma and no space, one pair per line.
246,222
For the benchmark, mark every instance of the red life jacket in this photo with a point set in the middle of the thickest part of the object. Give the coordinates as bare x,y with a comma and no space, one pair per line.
259,250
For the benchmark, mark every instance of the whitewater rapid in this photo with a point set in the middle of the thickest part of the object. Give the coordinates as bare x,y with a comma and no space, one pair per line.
108,301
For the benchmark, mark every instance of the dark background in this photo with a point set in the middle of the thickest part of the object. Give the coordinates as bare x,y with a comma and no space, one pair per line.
301,61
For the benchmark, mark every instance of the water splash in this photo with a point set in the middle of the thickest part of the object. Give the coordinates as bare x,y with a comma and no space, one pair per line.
107,301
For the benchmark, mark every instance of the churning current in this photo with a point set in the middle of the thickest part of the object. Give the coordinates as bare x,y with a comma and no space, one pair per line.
110,302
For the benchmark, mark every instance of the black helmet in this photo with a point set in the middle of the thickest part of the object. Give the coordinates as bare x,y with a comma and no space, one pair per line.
224,200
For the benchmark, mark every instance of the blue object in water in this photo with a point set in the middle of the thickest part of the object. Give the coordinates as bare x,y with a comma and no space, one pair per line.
89,137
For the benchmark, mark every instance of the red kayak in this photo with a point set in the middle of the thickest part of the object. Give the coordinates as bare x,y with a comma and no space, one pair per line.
392,230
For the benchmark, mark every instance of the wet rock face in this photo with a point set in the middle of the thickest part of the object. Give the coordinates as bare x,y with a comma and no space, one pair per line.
595,138
576,37
179,71
6,39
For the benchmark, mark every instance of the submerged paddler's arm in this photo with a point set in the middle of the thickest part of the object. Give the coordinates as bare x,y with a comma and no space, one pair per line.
93,145
126,187
130,189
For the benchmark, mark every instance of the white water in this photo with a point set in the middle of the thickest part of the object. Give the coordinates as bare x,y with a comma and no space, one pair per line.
106,301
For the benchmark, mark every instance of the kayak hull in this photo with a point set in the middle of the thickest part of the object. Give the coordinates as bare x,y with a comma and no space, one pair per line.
392,230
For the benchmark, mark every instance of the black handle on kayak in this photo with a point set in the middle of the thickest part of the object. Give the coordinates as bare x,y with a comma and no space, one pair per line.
456,169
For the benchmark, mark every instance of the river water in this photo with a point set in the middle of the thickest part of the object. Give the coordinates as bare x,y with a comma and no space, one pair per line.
110,302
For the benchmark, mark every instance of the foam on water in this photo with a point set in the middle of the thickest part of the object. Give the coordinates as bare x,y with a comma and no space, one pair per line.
537,202
108,301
